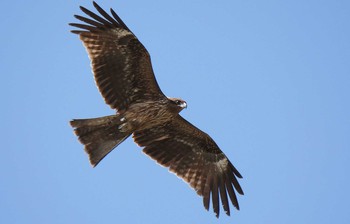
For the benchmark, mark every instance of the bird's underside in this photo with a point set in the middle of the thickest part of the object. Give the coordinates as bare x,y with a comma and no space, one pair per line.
123,73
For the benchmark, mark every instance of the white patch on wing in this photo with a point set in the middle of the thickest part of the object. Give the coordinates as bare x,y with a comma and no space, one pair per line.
184,142
161,138
122,32
222,164
121,126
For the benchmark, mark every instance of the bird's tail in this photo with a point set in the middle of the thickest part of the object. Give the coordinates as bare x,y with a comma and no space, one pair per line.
100,135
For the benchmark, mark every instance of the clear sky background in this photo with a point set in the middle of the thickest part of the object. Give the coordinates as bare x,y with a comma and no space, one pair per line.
268,80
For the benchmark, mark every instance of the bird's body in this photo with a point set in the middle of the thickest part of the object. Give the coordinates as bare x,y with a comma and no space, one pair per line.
123,73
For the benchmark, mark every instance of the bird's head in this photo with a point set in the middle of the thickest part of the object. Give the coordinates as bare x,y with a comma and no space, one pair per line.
177,104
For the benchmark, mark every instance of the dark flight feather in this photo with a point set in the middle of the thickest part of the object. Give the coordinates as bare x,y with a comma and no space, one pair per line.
194,156
118,60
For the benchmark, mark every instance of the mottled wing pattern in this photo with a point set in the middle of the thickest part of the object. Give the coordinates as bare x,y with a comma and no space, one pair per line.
121,65
192,155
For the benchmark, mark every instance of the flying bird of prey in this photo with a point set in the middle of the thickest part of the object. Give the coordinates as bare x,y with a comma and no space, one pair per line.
123,73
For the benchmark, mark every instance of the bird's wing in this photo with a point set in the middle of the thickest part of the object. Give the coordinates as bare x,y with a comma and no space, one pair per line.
121,64
193,156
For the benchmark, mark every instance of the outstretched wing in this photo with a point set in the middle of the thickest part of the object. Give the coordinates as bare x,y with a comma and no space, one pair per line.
121,64
192,155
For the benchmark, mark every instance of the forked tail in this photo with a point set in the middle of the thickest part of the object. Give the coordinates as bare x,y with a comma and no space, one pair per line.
99,135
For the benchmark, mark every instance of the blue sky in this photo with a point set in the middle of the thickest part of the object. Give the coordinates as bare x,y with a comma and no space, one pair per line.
268,80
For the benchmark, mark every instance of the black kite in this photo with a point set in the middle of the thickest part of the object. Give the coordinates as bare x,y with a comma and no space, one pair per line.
124,75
